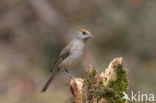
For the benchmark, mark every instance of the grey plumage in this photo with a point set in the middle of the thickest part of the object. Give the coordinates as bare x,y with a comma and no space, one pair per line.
70,55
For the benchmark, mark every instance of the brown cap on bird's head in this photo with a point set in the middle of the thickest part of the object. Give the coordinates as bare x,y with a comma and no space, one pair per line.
85,31
84,34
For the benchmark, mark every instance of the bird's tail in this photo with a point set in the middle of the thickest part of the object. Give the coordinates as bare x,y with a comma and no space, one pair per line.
52,75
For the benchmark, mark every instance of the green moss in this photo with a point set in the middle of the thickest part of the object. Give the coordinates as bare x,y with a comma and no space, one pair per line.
93,73
101,83
90,80
113,92
120,84
89,83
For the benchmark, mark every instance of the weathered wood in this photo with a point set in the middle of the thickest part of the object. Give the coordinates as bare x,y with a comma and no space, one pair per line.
106,87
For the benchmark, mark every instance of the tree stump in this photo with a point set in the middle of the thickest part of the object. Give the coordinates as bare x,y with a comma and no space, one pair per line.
106,87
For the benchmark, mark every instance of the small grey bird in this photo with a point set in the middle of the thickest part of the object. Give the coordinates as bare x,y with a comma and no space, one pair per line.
70,55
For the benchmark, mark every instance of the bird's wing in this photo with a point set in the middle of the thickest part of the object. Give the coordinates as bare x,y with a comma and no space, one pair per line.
64,54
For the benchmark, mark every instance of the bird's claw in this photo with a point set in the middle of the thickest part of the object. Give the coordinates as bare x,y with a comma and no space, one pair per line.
70,76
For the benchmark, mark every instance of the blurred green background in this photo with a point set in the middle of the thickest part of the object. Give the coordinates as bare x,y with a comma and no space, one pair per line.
33,32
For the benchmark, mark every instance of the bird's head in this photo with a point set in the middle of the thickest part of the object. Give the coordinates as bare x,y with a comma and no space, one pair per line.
84,34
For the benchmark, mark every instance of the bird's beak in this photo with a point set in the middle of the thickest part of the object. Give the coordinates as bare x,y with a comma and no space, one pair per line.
91,36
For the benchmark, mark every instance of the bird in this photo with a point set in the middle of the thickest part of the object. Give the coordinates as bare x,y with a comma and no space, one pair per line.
70,55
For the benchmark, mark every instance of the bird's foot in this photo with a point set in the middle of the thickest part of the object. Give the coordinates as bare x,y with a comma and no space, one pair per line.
70,75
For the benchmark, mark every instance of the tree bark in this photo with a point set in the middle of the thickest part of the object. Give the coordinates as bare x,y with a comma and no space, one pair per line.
106,87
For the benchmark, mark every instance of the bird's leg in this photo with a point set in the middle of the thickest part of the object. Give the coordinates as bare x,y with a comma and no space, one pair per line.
67,73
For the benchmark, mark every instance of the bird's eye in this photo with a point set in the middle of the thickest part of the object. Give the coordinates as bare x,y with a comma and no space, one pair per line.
84,33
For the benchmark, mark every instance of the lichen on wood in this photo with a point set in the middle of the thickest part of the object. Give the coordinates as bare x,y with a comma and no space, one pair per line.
105,87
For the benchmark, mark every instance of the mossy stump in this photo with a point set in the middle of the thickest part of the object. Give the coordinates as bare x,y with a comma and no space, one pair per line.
107,87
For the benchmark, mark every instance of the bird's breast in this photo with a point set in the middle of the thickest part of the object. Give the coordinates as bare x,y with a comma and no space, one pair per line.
76,53
78,48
